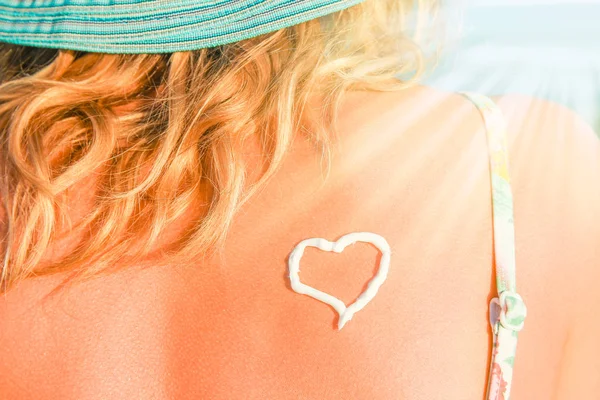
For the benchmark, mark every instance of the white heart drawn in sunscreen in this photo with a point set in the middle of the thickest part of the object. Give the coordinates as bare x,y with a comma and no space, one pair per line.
366,296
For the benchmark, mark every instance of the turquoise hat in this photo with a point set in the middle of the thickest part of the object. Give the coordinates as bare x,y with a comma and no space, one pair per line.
151,26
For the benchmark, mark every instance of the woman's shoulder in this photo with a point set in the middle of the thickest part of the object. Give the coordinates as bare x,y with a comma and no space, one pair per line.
433,139
554,164
555,172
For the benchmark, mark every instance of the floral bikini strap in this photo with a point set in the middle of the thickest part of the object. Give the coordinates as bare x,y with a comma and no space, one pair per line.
507,311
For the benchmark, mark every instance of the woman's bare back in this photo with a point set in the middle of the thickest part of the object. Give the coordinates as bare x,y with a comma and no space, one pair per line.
410,166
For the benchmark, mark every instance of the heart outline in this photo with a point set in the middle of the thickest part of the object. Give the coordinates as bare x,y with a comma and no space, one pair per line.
345,312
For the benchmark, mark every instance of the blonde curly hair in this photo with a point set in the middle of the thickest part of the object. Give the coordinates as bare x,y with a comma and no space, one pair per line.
161,134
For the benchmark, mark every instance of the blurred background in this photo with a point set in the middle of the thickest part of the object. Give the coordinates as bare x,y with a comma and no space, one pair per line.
544,48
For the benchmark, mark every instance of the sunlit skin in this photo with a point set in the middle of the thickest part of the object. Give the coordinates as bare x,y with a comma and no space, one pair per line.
411,166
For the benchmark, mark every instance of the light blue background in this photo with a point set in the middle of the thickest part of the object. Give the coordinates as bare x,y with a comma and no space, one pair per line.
547,49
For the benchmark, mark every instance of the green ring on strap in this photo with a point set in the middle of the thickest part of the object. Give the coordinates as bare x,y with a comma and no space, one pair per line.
513,310
151,26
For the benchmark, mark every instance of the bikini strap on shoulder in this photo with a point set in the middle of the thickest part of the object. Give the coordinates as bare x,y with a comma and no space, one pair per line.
508,310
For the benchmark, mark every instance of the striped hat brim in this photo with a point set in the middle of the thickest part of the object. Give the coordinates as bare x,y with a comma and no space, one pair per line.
151,26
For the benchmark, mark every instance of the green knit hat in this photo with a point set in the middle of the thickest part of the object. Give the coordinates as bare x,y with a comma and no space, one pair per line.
151,26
